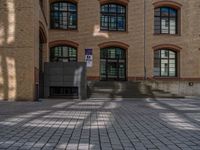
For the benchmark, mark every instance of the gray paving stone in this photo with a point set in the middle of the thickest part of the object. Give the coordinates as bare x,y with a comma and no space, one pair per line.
131,124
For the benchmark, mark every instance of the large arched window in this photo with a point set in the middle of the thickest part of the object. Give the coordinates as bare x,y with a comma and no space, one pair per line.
113,63
63,54
165,20
64,15
165,63
113,17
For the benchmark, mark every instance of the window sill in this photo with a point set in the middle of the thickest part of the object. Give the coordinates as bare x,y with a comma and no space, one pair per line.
165,34
107,31
68,30
166,78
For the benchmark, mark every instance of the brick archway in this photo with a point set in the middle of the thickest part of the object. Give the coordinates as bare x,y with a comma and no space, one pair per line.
168,3
123,2
168,46
63,42
73,1
114,43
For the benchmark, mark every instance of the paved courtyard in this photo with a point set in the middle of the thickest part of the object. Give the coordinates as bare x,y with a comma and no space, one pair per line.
142,124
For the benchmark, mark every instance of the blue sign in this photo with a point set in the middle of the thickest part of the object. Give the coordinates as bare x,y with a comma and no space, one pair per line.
88,57
88,51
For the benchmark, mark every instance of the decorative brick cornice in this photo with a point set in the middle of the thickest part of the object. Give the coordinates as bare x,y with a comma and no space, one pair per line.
63,42
113,43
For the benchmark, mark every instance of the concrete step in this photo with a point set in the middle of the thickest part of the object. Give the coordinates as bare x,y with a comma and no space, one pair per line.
128,89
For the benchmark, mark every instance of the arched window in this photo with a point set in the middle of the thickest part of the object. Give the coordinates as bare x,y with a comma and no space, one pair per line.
63,54
165,63
64,15
113,63
113,17
165,20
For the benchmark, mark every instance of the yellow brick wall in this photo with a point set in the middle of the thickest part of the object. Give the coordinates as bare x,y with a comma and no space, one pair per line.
89,22
89,18
20,21
16,49
188,40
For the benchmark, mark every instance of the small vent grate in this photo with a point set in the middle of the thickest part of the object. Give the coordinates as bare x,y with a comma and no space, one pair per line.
64,91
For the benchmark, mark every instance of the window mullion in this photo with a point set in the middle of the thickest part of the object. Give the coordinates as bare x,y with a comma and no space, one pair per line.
116,15
68,56
169,20
160,21
160,63
62,53
67,17
169,67
176,18
108,17
176,65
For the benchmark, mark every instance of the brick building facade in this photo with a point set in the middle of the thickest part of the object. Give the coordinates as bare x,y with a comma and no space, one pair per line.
152,40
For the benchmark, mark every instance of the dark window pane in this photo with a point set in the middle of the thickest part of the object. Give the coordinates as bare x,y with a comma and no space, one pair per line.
122,70
164,25
164,53
165,12
165,63
103,68
121,23
72,20
113,23
157,21
157,12
72,7
63,54
113,17
63,7
63,15
172,25
55,6
120,9
173,12
113,64
157,54
111,53
104,8
113,8
165,20
104,22
157,67
172,54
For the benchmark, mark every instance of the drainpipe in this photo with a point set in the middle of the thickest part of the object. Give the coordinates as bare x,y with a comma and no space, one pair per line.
145,71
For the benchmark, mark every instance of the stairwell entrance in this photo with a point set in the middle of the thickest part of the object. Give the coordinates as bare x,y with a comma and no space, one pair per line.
113,64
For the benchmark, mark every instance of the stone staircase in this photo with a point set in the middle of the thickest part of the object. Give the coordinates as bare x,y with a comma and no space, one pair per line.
128,89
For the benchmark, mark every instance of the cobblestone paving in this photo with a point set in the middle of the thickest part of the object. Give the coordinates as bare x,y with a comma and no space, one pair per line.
142,124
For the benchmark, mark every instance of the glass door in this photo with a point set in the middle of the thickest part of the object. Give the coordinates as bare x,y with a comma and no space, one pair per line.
113,64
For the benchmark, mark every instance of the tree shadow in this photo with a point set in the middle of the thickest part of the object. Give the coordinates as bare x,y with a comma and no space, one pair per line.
95,123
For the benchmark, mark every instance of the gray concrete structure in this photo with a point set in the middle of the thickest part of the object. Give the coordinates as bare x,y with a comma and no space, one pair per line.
67,74
178,87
